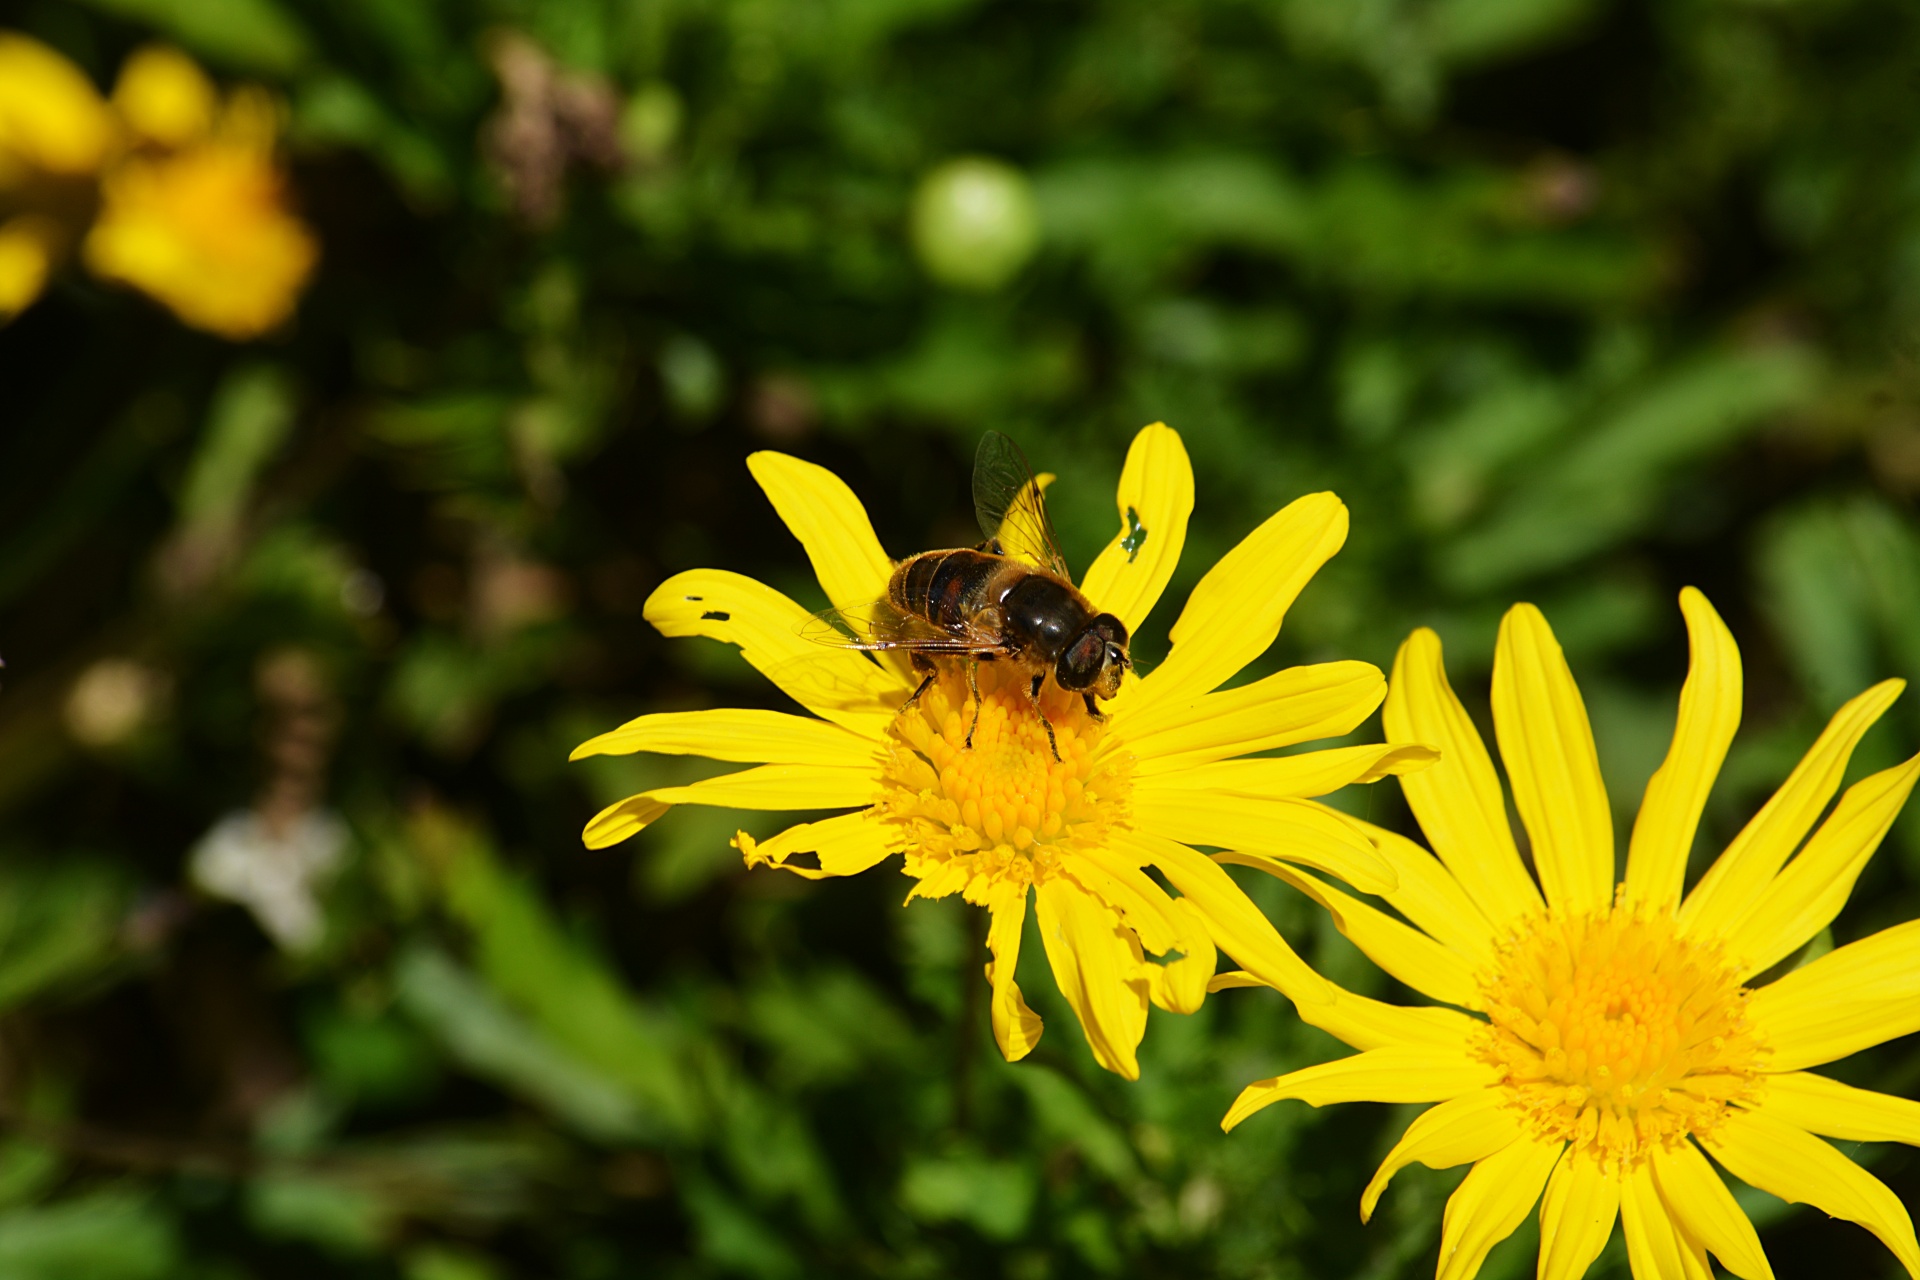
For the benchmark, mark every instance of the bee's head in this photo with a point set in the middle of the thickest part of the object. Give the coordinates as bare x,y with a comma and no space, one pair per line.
1096,659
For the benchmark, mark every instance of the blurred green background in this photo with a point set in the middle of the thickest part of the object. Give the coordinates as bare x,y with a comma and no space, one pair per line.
1575,301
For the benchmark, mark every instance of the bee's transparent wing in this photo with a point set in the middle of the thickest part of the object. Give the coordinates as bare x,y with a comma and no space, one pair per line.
882,625
1012,506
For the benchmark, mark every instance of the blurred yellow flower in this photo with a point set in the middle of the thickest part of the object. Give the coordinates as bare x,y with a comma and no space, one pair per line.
174,192
52,121
196,214
55,131
1005,821
163,98
28,245
1618,1035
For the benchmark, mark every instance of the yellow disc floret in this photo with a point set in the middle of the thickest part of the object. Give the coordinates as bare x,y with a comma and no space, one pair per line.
1615,1034
1004,808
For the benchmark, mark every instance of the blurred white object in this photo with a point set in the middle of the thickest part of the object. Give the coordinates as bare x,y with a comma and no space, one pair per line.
276,872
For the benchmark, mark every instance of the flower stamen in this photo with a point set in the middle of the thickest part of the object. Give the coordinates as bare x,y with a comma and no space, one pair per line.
1615,1034
1036,782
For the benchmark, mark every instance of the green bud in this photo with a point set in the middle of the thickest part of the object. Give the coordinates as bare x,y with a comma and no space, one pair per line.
974,223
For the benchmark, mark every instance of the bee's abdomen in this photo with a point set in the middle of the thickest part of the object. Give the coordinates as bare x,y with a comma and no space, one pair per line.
944,587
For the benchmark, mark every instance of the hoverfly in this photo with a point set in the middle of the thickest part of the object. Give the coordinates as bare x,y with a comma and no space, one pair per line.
1008,600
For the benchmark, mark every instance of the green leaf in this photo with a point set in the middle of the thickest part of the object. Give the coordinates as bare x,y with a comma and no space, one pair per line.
1467,31
559,982
58,923
995,1197
1606,485
110,1235
250,418
487,1038
1817,599
252,35
332,1213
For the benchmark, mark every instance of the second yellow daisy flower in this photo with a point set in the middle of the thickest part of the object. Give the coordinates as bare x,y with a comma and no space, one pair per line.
1615,1041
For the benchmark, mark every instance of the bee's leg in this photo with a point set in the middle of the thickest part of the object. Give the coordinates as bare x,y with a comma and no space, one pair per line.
1033,694
926,680
973,687
1094,713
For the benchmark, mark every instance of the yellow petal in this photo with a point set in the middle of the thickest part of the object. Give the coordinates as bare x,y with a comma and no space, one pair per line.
1730,886
1677,792
1016,1028
840,685
1492,1200
1232,980
1298,704
1366,1023
1791,1163
1804,899
1458,1131
1180,985
840,846
1292,830
618,821
830,523
1310,773
762,737
1836,1110
1428,895
27,247
1155,499
781,786
163,96
1098,966
1235,611
1163,925
1394,1073
1141,903
1706,1212
1237,926
1458,801
1576,1216
51,117
1852,998
1547,745
772,786
1656,1248
1398,948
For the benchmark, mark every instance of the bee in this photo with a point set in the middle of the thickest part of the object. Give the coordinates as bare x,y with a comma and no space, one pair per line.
1010,599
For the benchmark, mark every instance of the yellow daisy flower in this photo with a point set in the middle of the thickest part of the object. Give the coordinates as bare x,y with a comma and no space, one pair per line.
1617,1032
1005,821
196,215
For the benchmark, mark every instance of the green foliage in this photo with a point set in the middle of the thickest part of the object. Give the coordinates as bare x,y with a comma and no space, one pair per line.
1574,301
112,1235
57,925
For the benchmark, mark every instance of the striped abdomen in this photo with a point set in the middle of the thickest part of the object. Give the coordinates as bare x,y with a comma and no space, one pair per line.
950,588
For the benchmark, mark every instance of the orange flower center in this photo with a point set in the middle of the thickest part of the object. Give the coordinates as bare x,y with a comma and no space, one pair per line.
1004,807
1615,1034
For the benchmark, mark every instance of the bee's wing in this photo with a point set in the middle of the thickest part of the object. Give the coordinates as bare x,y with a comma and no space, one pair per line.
1012,506
883,625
